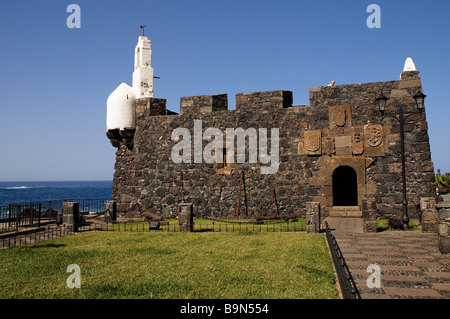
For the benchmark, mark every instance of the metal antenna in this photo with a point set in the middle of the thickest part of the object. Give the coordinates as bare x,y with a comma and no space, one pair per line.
142,27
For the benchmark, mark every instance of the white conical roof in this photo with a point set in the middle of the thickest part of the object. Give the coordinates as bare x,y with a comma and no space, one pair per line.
409,65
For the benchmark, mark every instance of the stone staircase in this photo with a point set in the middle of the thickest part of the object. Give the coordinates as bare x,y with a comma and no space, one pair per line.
345,211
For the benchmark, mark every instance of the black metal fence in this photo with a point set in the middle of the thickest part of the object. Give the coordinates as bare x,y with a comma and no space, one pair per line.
53,231
26,223
346,282
200,225
34,214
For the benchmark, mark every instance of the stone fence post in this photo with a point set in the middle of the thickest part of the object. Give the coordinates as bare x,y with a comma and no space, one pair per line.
312,217
110,210
71,215
369,214
443,227
186,217
429,215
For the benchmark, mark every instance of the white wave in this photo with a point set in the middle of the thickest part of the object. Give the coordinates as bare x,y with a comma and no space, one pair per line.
17,187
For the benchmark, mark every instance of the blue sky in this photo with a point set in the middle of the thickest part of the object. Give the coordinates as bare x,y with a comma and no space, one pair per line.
54,81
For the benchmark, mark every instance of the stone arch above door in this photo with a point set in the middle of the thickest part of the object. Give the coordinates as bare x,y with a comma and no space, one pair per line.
324,178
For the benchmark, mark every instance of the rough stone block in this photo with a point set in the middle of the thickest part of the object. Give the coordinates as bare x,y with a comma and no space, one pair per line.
344,150
399,93
370,226
186,218
264,100
429,215
71,214
405,84
110,210
203,104
443,229
444,245
312,217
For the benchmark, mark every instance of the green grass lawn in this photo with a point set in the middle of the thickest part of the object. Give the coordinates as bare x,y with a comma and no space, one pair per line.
172,265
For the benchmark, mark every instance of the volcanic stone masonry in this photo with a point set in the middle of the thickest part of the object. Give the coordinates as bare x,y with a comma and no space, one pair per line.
338,151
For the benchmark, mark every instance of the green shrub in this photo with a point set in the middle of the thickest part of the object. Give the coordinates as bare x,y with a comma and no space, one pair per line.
442,181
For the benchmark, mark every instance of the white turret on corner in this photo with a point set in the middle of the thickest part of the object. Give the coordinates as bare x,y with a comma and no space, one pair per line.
120,106
408,66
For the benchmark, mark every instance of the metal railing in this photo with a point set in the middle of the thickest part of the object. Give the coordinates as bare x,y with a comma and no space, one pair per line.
34,214
346,282
30,235
199,226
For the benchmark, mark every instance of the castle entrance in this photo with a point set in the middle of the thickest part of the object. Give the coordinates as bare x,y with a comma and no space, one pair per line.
345,187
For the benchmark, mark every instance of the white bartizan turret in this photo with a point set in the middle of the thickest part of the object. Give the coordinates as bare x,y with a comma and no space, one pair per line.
120,109
120,106
409,66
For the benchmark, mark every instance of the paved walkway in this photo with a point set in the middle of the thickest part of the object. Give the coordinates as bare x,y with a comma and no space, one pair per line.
410,263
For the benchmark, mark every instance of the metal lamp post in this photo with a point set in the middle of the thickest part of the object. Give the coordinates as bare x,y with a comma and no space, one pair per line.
419,98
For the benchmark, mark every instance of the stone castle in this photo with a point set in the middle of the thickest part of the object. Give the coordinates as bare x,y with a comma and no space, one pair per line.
338,151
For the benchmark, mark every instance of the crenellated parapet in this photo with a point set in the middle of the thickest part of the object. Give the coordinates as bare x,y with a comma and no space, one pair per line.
203,104
264,100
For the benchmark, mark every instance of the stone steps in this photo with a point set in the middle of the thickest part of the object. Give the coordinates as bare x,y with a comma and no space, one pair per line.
346,211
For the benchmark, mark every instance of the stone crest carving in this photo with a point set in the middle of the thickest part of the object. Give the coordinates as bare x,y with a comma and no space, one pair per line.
358,141
374,134
313,142
339,116
328,146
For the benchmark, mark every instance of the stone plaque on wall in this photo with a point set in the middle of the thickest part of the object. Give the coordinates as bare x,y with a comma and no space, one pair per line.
343,145
374,140
313,142
340,116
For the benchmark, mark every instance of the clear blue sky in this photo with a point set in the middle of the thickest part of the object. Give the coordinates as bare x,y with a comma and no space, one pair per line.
54,81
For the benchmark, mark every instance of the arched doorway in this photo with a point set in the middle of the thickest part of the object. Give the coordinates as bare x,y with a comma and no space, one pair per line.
345,187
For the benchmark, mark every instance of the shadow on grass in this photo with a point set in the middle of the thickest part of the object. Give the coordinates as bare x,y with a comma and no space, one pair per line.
46,245
203,230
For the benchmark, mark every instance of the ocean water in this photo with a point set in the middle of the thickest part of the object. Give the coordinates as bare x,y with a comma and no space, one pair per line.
20,192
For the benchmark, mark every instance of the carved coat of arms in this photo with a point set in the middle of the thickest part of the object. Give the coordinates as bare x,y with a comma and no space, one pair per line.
340,116
358,141
373,134
313,142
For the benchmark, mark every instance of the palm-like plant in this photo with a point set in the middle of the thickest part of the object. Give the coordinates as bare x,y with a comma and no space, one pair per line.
442,181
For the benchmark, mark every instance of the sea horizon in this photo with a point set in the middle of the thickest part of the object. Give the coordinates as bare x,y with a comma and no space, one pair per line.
62,180
33,191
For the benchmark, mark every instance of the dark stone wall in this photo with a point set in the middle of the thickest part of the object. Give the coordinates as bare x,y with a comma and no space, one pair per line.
146,179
